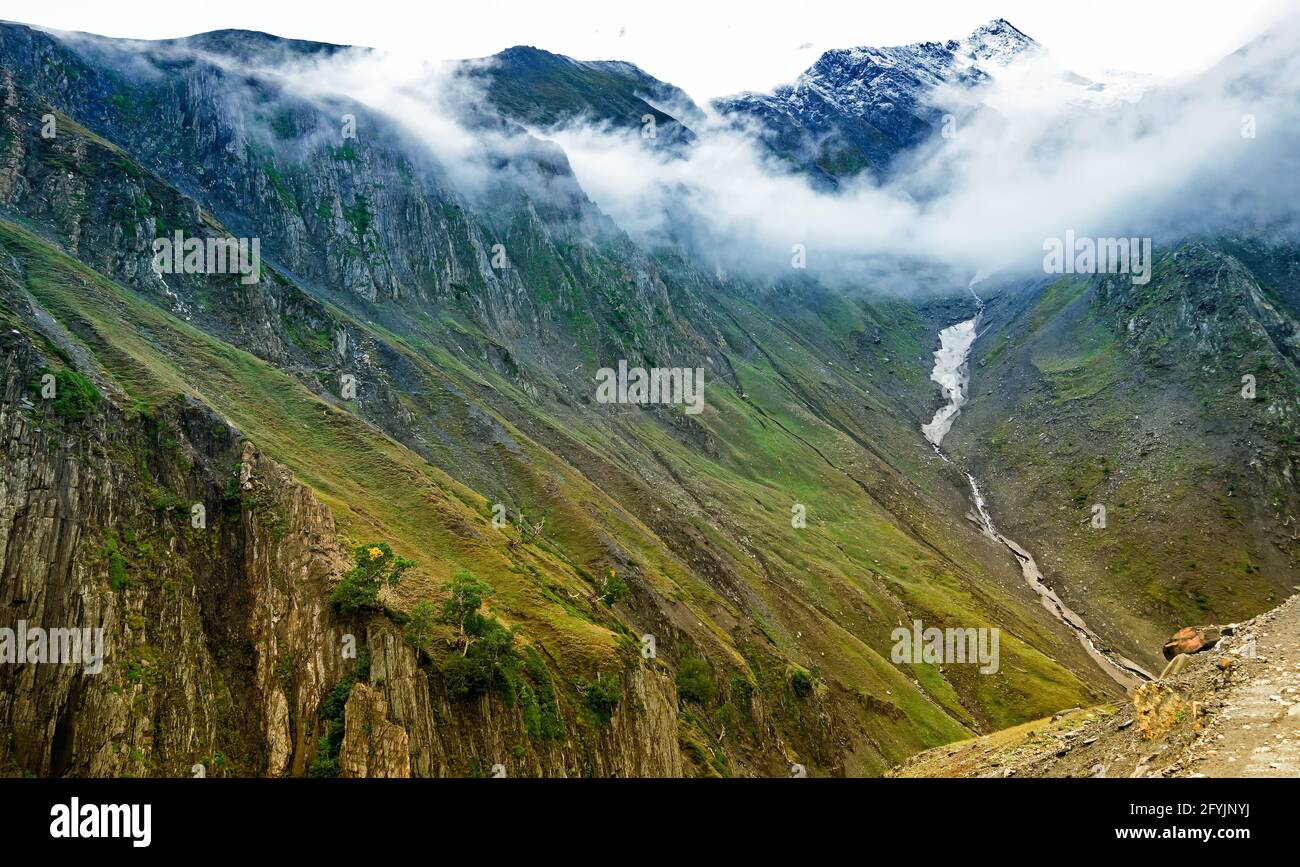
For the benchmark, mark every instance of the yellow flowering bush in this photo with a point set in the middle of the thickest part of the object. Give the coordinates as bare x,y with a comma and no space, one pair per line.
376,565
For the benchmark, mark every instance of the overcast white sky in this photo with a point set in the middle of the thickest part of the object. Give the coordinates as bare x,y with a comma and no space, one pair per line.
708,47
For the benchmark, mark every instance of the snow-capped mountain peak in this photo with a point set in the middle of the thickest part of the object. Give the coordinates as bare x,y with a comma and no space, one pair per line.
855,109
998,42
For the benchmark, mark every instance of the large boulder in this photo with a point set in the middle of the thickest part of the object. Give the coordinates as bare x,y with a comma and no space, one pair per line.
1191,639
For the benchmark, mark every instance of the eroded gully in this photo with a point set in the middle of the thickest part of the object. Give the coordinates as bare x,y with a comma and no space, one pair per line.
952,373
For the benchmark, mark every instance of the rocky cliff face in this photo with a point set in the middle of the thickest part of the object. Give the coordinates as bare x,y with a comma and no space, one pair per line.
372,746
202,626
448,739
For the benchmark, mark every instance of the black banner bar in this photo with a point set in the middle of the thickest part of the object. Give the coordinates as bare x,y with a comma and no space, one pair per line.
328,817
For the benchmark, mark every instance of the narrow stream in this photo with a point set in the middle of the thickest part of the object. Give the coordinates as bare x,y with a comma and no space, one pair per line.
952,373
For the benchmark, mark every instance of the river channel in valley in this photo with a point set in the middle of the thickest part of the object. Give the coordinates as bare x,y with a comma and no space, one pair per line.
952,373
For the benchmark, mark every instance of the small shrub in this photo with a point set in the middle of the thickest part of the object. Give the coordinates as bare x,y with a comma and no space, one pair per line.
422,626
284,669
695,681
466,677
541,710
601,696
614,589
801,682
75,396
488,663
360,216
117,577
326,761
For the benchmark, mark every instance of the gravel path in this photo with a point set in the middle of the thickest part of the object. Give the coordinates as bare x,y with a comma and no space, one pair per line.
1257,732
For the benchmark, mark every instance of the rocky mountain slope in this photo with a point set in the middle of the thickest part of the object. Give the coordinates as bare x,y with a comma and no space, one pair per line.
538,88
856,110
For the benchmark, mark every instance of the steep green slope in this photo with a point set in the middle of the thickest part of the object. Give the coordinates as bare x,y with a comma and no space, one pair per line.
704,542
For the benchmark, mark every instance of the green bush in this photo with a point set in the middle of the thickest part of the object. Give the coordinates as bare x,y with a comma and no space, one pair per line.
326,761
422,626
614,589
487,658
601,696
489,662
465,677
541,710
360,216
117,577
801,682
695,681
376,565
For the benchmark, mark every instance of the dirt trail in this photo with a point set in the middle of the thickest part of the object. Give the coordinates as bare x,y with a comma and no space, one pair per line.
1257,732
1234,711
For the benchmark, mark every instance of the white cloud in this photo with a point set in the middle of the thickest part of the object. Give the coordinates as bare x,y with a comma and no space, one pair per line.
1030,165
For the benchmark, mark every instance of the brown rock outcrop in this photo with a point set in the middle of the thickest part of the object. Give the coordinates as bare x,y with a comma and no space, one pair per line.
372,746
